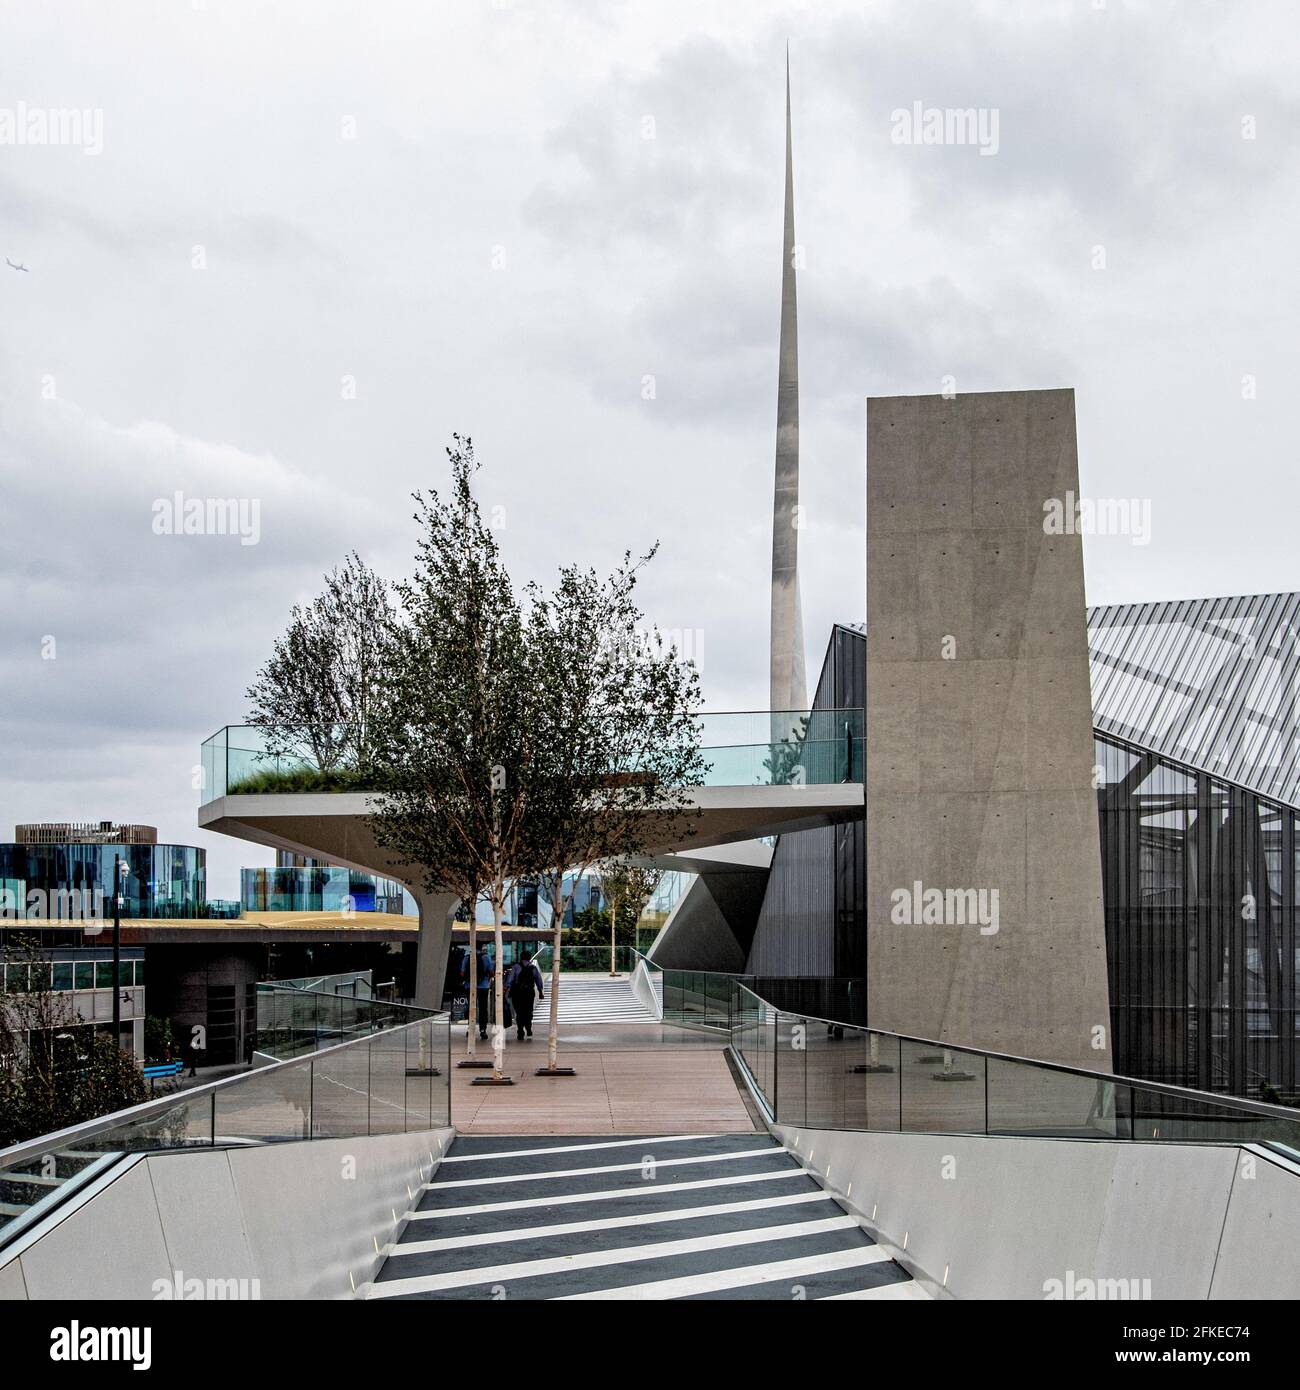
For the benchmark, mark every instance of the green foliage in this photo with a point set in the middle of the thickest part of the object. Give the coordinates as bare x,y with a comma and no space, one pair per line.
784,761
302,779
591,928
159,1045
55,1071
508,734
320,691
462,737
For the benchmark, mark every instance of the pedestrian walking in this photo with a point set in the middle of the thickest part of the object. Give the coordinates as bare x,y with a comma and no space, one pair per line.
524,986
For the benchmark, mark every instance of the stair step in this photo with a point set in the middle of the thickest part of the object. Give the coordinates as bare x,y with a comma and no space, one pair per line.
581,1217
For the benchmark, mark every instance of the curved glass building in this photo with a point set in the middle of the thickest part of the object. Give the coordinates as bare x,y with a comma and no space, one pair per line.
43,877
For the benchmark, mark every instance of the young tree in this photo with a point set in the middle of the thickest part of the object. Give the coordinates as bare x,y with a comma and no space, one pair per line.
471,1002
460,735
618,746
54,1072
628,887
321,687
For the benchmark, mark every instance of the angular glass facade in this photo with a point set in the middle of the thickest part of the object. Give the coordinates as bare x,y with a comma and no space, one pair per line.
1200,894
161,880
1200,880
813,921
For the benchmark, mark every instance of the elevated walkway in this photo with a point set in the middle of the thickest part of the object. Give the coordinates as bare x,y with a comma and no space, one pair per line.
761,1153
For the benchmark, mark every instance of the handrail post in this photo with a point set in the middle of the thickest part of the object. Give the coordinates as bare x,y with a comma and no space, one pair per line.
900,1085
776,1064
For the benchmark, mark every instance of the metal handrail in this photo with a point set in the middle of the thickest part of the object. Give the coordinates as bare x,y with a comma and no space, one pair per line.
280,987
1253,1107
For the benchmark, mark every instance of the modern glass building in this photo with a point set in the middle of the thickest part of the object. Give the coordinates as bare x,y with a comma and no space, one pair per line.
1196,709
300,884
39,874
1197,713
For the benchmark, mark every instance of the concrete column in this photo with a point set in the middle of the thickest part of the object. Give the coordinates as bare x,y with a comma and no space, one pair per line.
979,731
434,947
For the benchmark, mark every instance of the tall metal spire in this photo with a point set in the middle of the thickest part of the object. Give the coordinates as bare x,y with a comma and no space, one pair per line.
789,682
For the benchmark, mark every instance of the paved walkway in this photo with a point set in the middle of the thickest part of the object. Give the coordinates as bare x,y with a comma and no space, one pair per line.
690,1216
631,1079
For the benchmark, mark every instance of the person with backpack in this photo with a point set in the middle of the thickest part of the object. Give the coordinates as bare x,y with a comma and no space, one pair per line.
483,984
524,986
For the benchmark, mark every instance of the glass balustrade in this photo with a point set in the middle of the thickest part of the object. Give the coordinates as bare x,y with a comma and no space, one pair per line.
293,1021
754,748
393,1079
824,1074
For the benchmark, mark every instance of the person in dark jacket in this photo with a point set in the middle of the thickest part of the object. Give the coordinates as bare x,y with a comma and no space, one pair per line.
483,983
524,986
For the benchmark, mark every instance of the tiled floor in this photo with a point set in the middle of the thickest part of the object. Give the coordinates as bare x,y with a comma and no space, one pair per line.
631,1079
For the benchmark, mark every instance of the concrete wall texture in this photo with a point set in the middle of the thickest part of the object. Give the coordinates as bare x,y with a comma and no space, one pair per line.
985,1217
979,728
305,1220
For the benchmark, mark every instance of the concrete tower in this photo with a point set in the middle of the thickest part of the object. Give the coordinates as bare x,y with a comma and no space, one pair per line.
789,689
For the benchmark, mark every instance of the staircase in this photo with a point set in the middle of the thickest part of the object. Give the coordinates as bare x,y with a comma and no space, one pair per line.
683,1216
592,998
36,1186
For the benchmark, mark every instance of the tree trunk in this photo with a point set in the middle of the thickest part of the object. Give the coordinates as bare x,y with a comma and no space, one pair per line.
613,927
498,981
471,1013
553,1027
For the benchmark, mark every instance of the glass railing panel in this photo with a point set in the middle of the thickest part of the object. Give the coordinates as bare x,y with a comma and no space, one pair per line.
833,1096
717,1000
340,1091
186,1123
387,1082
343,1092
440,1058
672,996
877,1071
271,1105
1025,1099
942,1089
788,1085
760,747
744,1032
730,728
1192,1119
767,764
421,1064
688,996
213,760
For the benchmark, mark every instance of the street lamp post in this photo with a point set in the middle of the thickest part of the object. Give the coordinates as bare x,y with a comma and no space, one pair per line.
119,872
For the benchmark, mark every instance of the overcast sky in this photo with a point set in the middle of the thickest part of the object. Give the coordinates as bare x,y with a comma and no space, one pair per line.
501,218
